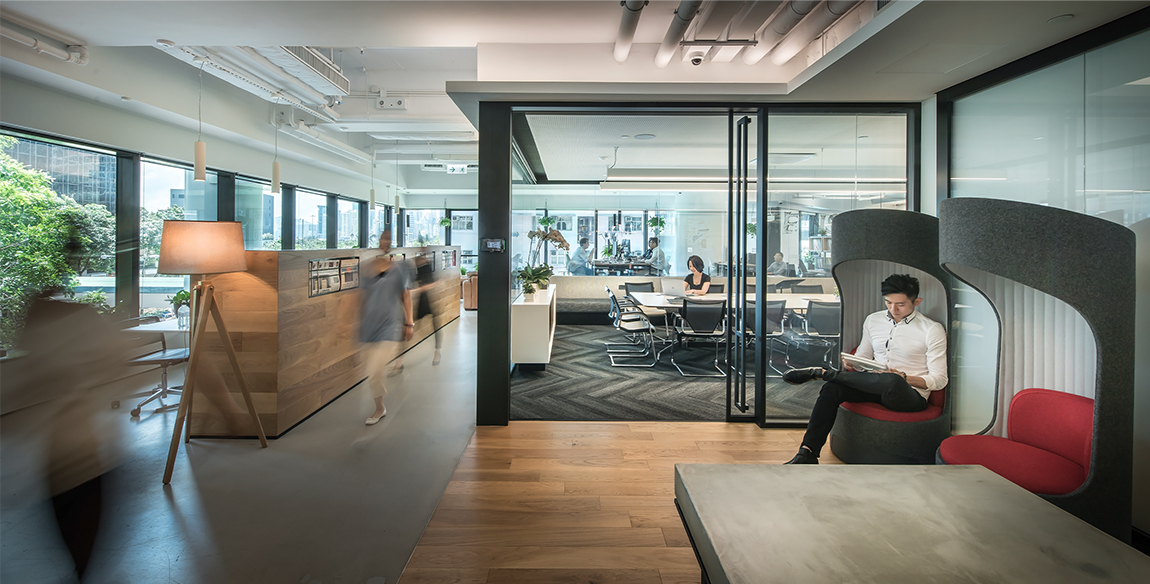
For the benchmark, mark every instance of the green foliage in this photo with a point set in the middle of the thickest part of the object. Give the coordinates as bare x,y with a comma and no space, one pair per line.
151,229
95,298
35,228
752,229
548,222
658,224
311,243
181,298
351,242
445,222
462,271
272,242
533,277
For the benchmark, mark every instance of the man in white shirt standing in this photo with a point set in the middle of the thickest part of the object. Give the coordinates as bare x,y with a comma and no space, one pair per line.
913,348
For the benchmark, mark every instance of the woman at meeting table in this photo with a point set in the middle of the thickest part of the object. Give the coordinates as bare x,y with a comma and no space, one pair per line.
697,283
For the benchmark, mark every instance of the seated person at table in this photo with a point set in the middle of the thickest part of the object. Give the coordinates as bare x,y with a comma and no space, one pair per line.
655,257
580,262
912,347
778,267
697,282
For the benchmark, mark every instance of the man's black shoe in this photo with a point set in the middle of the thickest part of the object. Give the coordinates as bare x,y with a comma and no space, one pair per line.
804,457
799,376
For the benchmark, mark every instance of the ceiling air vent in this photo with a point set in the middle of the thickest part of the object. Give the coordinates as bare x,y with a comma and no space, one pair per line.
309,66
880,4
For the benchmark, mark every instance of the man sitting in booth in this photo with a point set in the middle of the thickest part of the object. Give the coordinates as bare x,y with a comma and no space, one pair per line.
911,346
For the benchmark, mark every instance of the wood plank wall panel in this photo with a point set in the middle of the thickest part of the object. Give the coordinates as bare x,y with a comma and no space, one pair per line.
297,353
579,502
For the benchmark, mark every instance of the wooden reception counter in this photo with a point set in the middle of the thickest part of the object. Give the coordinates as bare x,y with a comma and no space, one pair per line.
294,320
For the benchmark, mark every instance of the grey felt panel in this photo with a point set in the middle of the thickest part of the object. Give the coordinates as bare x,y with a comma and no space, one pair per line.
1046,249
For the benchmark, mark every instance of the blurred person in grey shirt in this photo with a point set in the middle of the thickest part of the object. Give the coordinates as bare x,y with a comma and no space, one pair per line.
387,318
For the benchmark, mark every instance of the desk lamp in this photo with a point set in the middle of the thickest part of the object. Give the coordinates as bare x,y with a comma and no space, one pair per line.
200,248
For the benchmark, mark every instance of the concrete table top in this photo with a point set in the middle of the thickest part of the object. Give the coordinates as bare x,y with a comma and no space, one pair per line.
772,523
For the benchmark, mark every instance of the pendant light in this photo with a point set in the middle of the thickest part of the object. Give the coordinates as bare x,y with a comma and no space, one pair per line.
276,159
201,153
371,195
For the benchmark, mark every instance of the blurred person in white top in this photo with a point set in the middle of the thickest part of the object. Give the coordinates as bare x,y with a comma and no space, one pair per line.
913,348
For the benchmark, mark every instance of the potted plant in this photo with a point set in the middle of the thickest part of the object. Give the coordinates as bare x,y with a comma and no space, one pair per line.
752,229
657,224
533,278
445,221
181,299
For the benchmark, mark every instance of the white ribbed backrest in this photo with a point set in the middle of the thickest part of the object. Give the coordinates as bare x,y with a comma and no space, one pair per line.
860,288
1044,342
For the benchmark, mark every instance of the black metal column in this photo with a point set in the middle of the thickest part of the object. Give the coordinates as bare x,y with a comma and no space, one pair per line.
225,196
363,225
493,339
127,234
332,220
761,322
287,230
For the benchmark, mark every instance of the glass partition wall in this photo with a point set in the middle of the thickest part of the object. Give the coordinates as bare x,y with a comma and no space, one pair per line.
620,179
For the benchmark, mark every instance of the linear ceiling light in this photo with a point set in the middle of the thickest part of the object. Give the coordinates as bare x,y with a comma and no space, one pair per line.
276,159
306,133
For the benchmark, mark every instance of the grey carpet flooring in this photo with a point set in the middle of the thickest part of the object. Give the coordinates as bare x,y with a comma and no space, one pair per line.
580,384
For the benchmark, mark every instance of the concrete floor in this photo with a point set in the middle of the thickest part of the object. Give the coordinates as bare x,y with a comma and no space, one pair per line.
332,501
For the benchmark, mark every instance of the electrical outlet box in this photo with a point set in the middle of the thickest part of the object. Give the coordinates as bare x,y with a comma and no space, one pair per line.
391,103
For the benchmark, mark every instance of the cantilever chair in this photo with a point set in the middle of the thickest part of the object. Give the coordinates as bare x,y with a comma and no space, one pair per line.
822,325
639,331
705,320
807,289
148,356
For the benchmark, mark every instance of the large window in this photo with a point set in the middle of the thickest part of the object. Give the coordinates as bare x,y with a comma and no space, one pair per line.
310,220
347,231
261,213
465,234
377,219
44,189
421,227
168,192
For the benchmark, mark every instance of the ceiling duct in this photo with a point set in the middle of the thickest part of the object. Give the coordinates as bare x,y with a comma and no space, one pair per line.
627,25
305,133
821,18
43,44
776,27
310,66
679,24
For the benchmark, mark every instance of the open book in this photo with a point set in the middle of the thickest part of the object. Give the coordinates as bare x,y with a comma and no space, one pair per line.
863,364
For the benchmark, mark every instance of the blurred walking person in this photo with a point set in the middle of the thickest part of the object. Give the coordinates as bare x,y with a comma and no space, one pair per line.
386,319
425,278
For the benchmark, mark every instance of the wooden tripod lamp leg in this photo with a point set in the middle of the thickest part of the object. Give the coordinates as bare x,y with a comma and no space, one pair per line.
231,351
205,299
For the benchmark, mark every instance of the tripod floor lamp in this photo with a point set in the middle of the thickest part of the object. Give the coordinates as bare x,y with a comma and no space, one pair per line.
201,248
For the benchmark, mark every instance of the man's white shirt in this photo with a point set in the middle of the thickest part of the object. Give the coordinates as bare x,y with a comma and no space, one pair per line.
915,345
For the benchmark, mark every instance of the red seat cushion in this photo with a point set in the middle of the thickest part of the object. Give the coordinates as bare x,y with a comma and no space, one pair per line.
878,412
1036,470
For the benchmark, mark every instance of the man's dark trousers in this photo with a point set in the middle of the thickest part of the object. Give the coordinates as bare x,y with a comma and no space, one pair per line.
888,389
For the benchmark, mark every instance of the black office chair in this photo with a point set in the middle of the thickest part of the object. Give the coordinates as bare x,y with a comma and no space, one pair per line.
776,313
786,284
820,332
622,313
701,319
144,346
715,288
807,289
634,324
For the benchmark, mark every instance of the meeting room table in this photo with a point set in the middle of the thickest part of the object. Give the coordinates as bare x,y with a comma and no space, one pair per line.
796,302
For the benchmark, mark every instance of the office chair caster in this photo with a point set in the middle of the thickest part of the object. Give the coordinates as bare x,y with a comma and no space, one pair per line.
135,413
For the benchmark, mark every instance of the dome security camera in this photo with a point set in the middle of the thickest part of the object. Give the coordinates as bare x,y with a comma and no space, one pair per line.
696,55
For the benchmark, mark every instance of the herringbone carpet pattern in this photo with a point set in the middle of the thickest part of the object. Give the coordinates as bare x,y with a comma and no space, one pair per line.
580,384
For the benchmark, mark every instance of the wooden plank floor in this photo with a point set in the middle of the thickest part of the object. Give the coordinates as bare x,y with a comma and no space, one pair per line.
579,502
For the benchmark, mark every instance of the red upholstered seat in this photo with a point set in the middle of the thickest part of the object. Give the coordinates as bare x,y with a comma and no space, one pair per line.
878,412
1034,469
1047,451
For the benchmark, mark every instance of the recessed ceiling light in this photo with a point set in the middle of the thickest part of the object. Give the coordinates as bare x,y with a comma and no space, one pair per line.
644,136
1060,18
863,137
624,136
604,157
164,43
1040,137
125,98
343,128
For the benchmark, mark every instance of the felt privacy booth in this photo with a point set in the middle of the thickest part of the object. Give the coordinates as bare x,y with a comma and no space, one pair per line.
1064,329
870,245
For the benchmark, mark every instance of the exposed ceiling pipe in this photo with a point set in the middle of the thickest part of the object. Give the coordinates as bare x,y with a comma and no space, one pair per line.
77,54
810,28
776,27
683,16
298,87
627,25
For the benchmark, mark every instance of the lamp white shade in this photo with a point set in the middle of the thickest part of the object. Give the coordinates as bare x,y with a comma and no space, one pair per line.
275,178
202,247
201,161
371,200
